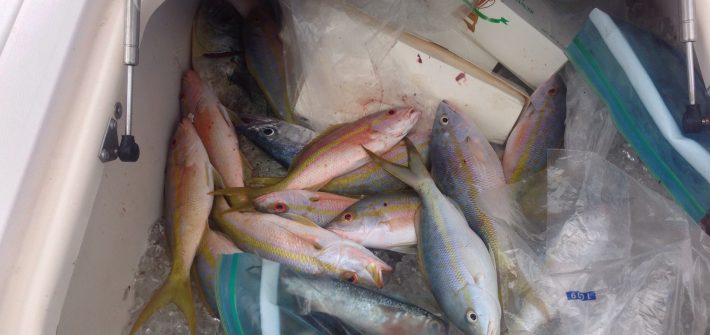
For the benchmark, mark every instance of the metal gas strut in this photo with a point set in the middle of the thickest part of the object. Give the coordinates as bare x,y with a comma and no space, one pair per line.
127,150
693,120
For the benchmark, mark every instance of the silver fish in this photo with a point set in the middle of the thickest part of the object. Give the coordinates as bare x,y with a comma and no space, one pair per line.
283,141
218,57
362,309
467,170
458,266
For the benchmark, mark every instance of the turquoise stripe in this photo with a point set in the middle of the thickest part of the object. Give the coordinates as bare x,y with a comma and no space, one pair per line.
586,57
227,297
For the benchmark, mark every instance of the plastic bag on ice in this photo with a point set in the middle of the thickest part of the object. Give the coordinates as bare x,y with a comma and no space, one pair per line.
643,81
614,257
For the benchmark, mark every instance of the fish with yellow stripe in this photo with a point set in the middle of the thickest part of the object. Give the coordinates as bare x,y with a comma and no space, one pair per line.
306,248
373,179
368,179
214,127
318,207
466,169
189,180
455,261
334,153
383,221
212,247
540,127
218,55
264,55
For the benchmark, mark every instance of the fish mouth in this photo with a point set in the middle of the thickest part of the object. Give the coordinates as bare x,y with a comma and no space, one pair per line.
377,270
414,113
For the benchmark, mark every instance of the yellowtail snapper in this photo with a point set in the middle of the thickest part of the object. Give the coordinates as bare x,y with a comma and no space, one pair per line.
455,261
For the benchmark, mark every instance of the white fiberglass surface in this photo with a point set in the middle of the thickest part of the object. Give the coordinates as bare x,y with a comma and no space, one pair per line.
129,199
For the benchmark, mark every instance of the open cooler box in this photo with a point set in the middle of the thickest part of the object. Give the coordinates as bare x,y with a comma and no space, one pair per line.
69,266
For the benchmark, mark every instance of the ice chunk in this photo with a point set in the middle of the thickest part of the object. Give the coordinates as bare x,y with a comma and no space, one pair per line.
152,271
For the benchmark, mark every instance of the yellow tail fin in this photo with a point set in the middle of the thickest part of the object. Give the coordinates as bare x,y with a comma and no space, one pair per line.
241,197
177,290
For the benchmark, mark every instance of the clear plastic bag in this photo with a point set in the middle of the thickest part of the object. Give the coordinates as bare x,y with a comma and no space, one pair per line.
642,79
616,258
588,125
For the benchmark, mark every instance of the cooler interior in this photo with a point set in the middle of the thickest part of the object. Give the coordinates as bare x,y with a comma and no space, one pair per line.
129,199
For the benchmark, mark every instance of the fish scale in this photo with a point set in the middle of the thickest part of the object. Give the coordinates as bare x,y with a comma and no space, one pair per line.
306,248
218,56
362,309
455,261
465,155
541,127
187,208
371,178
335,153
384,221
214,128
319,207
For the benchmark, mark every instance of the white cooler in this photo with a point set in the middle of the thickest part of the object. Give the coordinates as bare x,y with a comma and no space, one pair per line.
72,229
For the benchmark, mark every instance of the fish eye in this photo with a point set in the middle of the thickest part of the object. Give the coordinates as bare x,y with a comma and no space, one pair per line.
471,316
350,277
551,92
280,207
444,120
268,131
390,112
348,217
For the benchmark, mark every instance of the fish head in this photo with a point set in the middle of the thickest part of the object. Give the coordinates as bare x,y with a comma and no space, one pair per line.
284,201
355,264
270,132
394,123
478,311
260,129
354,222
551,95
216,30
449,126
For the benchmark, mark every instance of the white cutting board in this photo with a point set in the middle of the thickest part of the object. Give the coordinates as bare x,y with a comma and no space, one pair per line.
352,68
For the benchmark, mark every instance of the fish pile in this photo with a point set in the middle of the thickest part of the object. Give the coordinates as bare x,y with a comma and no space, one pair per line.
369,184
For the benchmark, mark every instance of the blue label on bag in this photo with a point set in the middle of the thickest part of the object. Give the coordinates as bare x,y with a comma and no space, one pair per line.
584,296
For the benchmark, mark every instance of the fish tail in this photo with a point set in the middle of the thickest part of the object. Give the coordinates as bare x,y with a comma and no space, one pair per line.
241,197
414,175
176,290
